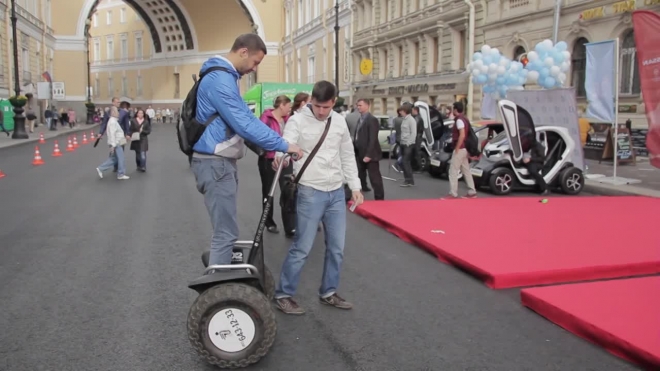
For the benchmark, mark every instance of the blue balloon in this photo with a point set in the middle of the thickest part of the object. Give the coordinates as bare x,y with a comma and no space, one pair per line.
561,46
550,82
544,72
488,60
558,57
477,56
481,79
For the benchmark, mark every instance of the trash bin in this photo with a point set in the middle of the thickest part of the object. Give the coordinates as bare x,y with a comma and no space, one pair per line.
7,114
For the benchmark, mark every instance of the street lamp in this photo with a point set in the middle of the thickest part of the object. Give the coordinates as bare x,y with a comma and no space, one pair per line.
89,105
19,119
337,45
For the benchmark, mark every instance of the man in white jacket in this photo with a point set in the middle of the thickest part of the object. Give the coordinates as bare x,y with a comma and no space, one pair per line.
321,196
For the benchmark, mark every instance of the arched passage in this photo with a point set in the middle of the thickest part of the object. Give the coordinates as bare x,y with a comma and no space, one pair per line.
170,25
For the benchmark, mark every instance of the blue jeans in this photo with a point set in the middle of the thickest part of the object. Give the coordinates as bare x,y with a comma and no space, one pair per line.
141,159
115,160
217,180
316,206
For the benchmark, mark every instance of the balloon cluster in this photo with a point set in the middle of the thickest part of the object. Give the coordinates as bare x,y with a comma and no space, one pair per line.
495,72
548,64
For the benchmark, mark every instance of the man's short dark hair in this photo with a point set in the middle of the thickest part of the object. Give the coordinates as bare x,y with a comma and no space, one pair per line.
458,106
365,101
406,108
324,91
252,42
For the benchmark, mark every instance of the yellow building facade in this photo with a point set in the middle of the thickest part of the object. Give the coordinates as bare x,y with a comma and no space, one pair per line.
146,51
36,45
308,45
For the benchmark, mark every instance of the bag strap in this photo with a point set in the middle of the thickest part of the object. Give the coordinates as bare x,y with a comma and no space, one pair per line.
201,75
316,149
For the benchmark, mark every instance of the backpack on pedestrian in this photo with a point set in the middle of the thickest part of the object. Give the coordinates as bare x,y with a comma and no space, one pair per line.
188,129
471,141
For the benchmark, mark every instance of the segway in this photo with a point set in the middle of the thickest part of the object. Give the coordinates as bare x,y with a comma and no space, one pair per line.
231,323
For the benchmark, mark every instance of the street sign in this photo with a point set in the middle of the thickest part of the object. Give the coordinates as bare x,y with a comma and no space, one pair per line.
58,91
43,90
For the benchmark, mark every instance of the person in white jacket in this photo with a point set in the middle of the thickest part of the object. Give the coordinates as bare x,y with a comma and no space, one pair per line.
320,197
116,141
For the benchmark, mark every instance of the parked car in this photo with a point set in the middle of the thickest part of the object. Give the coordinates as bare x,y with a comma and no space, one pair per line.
386,127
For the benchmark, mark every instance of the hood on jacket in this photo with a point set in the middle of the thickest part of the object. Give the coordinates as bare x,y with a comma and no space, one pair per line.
220,61
268,114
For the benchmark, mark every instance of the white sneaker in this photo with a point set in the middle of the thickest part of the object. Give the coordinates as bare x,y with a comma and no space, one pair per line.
99,172
123,177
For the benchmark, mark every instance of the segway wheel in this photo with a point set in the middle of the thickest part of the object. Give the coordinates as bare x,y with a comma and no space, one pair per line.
232,325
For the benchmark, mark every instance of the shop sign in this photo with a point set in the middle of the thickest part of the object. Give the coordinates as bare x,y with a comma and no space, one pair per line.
628,108
410,89
625,6
439,87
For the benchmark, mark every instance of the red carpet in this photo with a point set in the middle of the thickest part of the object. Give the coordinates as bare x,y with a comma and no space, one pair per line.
509,242
623,316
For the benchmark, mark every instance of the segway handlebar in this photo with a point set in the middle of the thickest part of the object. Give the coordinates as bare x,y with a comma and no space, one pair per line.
278,172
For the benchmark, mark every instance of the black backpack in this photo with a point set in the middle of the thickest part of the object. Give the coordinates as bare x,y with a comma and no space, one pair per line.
471,141
188,129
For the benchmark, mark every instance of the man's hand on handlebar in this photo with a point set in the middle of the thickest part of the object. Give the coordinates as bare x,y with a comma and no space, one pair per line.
295,151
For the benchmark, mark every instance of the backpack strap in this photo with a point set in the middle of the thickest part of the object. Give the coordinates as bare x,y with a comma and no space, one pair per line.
201,75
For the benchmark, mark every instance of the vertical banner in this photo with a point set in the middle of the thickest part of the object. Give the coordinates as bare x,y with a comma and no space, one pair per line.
599,80
646,25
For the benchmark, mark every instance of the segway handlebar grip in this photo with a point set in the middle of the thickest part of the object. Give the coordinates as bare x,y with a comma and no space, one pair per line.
278,172
294,156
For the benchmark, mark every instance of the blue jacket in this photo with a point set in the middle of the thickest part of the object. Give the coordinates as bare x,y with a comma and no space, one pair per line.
218,93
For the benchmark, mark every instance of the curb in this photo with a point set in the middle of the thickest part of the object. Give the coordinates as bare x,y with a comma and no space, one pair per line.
598,189
21,142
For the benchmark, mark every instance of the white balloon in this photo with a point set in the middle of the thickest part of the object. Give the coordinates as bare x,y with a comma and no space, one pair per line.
516,87
548,44
484,69
549,62
532,56
492,77
555,71
504,62
514,67
567,55
485,49
562,78
564,67
478,63
492,68
501,70
476,72
533,76
494,51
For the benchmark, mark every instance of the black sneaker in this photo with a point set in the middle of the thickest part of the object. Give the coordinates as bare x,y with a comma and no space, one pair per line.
289,306
272,228
336,301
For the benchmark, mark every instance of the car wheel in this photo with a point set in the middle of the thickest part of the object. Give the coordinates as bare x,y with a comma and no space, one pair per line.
501,182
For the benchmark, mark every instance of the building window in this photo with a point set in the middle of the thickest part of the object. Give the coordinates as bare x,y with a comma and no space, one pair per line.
286,70
463,57
299,71
111,88
177,86
122,15
138,46
400,69
317,8
97,50
325,57
108,17
299,10
51,54
308,12
123,44
139,86
629,78
415,58
38,59
95,20
311,70
97,86
110,48
124,86
25,62
579,63
49,19
518,52
287,20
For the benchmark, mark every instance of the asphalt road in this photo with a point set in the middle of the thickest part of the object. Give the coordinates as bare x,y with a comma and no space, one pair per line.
93,276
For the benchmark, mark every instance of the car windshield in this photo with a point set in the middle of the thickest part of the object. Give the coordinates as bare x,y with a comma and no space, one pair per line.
384,123
499,137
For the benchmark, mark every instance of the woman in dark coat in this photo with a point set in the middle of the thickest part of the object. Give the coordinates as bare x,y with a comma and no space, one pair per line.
139,131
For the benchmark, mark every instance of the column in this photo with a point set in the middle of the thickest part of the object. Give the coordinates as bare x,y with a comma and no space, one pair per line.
423,55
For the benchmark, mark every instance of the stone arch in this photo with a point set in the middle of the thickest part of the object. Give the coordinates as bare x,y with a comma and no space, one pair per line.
171,27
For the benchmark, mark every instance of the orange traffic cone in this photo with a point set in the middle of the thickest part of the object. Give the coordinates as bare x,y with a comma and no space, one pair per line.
91,136
42,140
75,141
84,139
37,157
2,175
69,146
56,150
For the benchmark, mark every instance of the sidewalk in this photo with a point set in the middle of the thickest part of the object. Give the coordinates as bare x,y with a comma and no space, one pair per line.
643,179
6,141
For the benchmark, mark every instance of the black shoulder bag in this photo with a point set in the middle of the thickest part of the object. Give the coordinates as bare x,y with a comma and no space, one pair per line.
290,184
